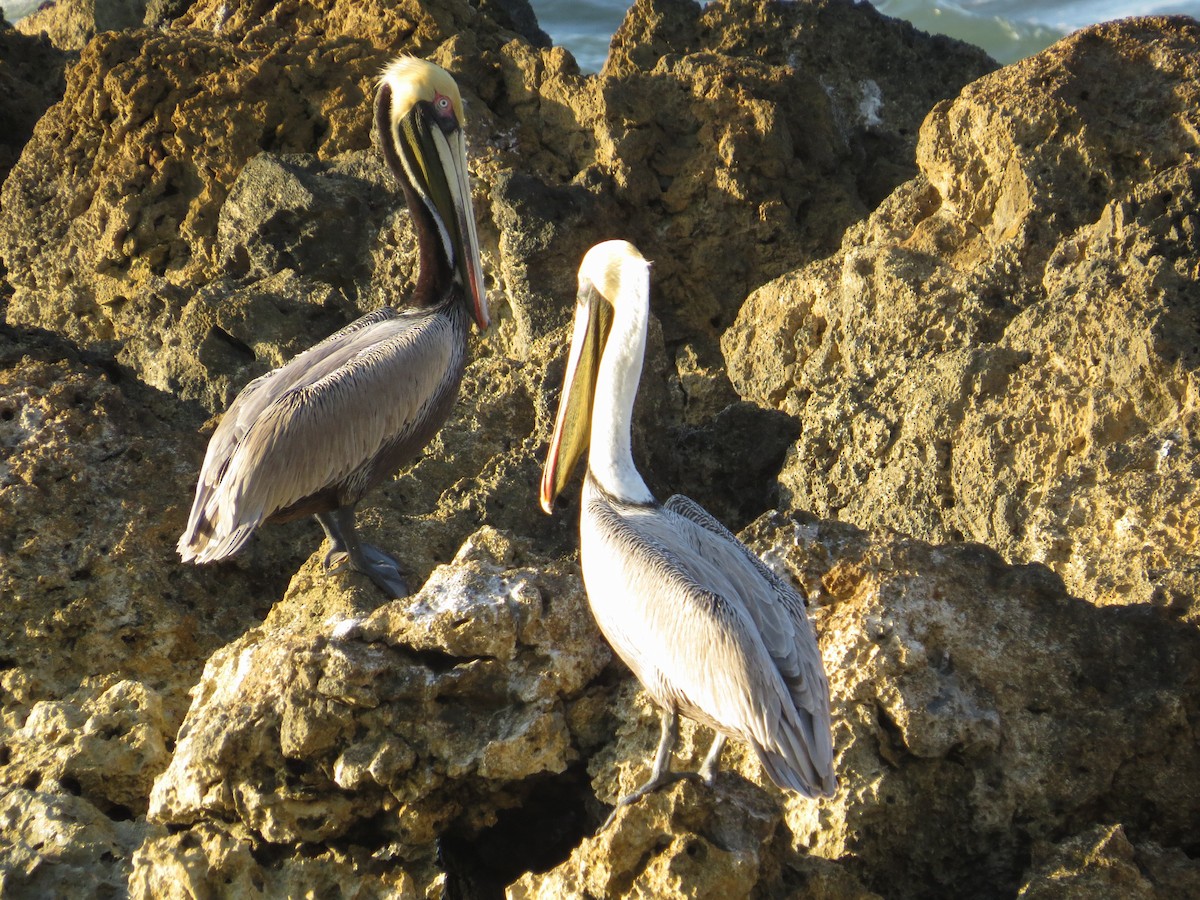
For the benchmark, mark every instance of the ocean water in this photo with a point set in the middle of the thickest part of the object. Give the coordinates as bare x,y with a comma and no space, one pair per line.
1007,29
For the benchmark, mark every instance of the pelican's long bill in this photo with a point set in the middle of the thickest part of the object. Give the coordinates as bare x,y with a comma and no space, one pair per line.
428,139
572,427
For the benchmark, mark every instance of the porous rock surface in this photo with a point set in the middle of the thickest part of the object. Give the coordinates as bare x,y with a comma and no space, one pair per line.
861,238
70,24
1007,350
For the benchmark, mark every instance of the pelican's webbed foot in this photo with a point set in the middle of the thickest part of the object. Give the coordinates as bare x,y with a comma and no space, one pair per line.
344,546
381,569
661,774
649,787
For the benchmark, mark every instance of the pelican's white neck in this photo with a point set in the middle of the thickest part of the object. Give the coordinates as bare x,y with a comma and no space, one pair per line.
610,457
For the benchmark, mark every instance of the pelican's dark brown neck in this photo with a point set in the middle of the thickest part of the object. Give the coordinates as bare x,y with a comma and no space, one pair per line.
434,273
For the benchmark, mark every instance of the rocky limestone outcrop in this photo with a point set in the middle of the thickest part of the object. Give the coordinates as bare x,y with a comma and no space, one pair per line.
205,200
70,24
431,714
1006,350
1102,862
114,234
969,696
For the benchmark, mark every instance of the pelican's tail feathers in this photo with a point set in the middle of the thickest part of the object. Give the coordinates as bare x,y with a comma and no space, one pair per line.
797,774
209,536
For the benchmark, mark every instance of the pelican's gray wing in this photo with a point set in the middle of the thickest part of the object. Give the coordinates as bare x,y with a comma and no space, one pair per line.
262,391
779,614
697,646
315,421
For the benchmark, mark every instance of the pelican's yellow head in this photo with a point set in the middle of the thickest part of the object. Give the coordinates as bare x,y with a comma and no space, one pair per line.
419,115
412,80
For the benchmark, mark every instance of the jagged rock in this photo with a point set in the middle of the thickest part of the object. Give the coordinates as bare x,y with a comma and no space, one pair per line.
1006,350
1102,863
134,166
689,841
754,141
189,864
167,237
110,746
58,845
122,194
70,24
103,631
128,207
969,696
722,156
430,714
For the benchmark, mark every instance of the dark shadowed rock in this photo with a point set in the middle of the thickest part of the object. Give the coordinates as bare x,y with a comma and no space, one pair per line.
296,213
31,80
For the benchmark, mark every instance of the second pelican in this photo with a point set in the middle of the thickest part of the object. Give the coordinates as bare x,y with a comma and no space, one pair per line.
708,630
315,435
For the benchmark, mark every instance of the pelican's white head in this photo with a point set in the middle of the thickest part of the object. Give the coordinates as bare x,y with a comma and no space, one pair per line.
617,271
604,365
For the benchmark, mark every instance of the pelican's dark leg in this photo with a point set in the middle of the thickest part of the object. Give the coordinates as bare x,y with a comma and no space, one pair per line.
372,562
661,773
708,769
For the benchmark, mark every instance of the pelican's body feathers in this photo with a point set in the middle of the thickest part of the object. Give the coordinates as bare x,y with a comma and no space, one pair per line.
709,631
322,430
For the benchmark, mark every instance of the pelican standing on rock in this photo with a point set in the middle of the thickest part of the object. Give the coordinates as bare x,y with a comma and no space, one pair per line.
708,630
315,435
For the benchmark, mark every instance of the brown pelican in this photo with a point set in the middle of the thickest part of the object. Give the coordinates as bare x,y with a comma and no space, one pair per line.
315,435
706,627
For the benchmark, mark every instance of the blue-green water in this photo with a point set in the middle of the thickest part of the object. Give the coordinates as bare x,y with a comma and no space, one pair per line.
1007,29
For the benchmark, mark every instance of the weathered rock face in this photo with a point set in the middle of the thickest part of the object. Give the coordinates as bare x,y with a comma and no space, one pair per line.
103,632
783,138
431,714
57,845
1103,863
205,201
1007,349
70,24
970,698
114,229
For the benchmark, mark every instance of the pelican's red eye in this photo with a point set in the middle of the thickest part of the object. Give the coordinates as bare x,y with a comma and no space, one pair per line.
442,103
